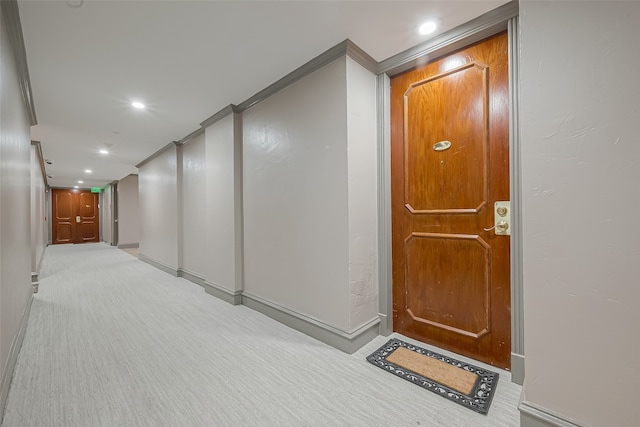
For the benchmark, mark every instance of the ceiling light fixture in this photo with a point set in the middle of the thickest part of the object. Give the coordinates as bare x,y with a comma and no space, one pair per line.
87,171
138,105
75,186
104,152
80,182
428,27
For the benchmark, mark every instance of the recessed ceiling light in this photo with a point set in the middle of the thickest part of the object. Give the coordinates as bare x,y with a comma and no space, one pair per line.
87,171
428,27
138,105
75,186
104,152
80,182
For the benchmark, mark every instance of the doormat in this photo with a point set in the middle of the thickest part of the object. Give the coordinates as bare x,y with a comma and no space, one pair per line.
463,383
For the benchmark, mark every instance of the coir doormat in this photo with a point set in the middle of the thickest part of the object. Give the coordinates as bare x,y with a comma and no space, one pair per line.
463,383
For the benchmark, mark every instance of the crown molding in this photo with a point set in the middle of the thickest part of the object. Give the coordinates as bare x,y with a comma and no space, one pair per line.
473,31
11,20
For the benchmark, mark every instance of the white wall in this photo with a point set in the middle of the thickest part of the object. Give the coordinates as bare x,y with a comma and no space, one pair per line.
580,175
159,206
310,241
224,203
39,227
15,204
128,211
362,187
194,218
106,216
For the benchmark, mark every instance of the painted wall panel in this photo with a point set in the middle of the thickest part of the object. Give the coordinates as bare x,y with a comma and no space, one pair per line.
362,187
15,203
106,209
194,218
158,197
39,214
224,203
581,243
128,211
296,197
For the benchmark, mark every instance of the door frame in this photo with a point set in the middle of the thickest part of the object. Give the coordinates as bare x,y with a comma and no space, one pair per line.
491,23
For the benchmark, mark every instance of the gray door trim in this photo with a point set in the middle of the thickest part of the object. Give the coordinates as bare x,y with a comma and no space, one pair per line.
517,302
493,22
464,35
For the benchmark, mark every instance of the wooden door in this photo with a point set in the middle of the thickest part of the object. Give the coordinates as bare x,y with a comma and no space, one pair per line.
75,216
451,277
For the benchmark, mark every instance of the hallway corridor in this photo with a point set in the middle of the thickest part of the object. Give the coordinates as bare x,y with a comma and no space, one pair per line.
112,341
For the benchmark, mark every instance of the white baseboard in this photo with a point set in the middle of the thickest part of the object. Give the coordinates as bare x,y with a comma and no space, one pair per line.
532,415
159,265
232,297
7,374
349,342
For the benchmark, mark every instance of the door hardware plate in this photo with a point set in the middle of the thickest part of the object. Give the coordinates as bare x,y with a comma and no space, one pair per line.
502,218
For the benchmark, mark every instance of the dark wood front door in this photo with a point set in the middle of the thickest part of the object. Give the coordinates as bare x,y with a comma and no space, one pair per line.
450,164
75,216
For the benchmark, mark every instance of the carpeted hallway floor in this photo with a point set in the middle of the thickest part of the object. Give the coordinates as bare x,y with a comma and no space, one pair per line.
112,341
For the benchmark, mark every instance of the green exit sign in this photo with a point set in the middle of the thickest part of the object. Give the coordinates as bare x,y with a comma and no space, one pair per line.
96,190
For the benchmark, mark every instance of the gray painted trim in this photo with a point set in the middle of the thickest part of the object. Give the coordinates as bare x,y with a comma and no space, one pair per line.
159,265
517,300
346,47
238,202
180,207
11,19
115,229
193,135
484,26
385,261
129,245
361,57
233,298
517,368
316,63
9,367
348,342
383,329
229,109
35,274
167,147
43,168
192,277
532,415
475,30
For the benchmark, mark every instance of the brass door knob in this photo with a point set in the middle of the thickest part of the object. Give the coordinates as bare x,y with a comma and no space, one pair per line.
502,226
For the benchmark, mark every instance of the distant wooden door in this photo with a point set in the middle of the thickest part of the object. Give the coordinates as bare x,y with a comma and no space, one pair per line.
75,216
450,163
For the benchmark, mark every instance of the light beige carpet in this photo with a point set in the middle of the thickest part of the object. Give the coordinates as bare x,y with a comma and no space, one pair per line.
113,341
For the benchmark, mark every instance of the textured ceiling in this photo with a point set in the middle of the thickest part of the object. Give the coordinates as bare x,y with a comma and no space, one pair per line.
185,60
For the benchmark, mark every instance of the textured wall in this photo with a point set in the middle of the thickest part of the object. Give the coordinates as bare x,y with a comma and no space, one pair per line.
224,203
39,227
106,215
362,185
194,218
295,197
128,211
15,204
581,242
158,184
310,210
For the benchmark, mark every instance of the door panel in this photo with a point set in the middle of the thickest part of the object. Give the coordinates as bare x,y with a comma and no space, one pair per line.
449,165
89,226
63,214
75,216
433,179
